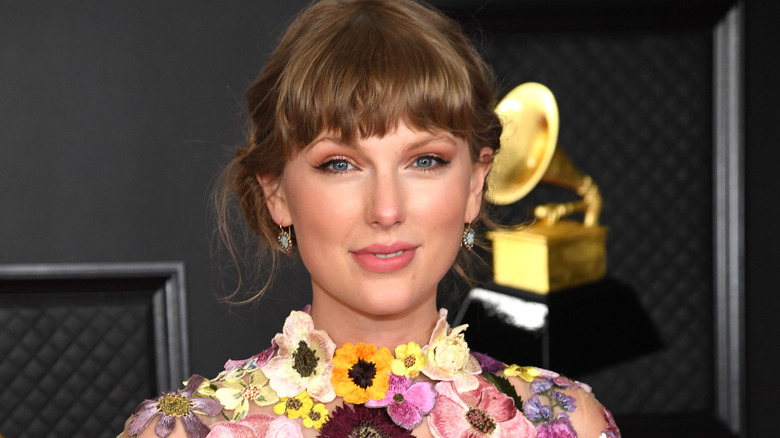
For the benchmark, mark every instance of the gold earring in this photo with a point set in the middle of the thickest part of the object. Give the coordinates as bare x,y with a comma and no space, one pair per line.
469,237
285,240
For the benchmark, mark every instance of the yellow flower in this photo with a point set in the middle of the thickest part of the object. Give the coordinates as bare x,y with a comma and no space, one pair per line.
295,407
360,372
236,394
409,360
525,373
316,417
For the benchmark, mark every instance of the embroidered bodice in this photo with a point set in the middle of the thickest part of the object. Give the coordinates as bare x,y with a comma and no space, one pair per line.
304,386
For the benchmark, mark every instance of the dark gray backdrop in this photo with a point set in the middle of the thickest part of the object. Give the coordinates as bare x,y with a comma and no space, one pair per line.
115,117
114,120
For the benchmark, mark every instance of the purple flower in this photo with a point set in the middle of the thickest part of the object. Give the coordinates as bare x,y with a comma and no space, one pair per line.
566,402
172,405
488,364
560,428
406,403
540,385
535,410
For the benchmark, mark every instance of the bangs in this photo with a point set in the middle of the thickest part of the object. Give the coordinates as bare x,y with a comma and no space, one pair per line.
369,72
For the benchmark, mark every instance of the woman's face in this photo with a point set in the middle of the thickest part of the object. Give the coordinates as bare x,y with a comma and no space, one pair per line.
378,222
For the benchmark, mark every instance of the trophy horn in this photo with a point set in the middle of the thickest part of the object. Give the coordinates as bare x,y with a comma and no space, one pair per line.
529,115
528,155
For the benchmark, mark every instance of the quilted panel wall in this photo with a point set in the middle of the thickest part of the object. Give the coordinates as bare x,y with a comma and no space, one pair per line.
73,362
635,114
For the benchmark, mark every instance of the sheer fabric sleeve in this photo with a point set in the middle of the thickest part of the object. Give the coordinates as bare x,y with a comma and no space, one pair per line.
560,407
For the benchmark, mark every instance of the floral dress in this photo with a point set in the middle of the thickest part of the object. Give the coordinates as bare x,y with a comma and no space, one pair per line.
364,391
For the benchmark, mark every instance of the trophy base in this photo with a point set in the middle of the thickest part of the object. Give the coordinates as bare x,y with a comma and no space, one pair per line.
566,331
542,258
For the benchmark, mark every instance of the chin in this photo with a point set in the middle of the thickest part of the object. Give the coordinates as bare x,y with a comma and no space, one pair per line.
394,303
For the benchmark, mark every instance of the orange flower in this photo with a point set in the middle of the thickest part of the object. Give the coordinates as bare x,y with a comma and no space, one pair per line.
360,372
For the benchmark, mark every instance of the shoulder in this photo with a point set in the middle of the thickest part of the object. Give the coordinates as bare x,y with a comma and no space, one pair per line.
186,412
195,410
559,406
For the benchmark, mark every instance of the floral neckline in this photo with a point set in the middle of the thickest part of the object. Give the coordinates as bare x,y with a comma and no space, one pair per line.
303,370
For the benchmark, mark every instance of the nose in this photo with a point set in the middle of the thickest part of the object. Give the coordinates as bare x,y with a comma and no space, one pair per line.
386,201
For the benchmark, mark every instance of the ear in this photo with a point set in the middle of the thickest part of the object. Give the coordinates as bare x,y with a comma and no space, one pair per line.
479,172
275,199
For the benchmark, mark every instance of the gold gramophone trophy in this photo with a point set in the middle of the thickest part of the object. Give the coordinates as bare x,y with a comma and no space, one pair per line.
552,253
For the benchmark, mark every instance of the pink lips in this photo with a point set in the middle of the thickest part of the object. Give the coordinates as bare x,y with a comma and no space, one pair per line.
385,258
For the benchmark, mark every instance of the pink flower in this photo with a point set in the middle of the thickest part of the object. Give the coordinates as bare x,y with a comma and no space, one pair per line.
611,430
484,411
257,426
406,403
253,362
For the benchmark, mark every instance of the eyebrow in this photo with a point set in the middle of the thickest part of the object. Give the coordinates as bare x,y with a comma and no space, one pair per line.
439,137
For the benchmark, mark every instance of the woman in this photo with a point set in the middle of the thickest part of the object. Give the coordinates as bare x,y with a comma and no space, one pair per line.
372,133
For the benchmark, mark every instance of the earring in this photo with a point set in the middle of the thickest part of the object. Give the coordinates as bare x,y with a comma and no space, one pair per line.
285,240
469,237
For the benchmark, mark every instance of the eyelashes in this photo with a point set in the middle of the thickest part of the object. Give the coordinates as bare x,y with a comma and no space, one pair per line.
430,162
335,165
424,163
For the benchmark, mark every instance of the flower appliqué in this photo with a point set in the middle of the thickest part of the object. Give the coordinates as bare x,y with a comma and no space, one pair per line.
235,394
409,360
316,417
294,407
611,430
360,372
172,405
550,405
484,411
238,368
526,373
488,364
359,421
449,358
303,360
257,425
407,403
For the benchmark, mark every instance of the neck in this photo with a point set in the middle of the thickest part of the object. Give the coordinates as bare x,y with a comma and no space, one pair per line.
348,324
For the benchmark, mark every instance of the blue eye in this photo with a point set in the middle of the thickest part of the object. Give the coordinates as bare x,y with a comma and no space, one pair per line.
425,162
430,162
335,166
338,165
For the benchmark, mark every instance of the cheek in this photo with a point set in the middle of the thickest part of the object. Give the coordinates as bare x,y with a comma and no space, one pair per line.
320,218
444,211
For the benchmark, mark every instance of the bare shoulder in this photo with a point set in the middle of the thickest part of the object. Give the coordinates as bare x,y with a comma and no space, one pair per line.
557,404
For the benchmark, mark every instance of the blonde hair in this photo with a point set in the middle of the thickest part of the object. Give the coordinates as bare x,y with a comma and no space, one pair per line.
358,68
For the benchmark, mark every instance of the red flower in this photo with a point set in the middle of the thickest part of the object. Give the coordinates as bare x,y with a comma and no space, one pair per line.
359,421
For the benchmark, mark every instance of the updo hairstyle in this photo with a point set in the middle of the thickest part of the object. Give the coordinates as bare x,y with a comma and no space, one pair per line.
357,68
